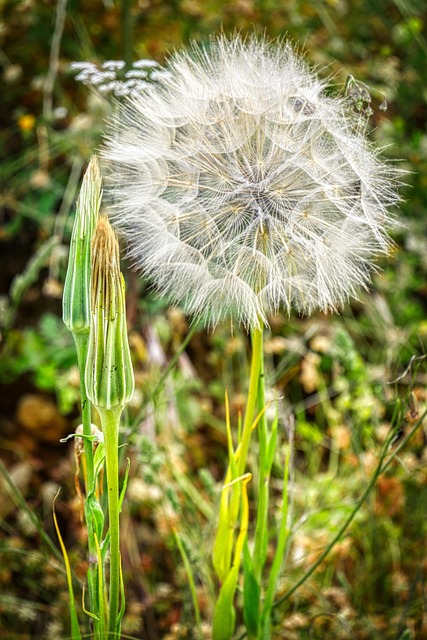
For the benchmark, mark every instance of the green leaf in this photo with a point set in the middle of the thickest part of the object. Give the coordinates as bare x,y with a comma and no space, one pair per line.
94,514
190,578
75,631
277,564
98,459
224,613
124,485
271,445
223,544
251,595
224,618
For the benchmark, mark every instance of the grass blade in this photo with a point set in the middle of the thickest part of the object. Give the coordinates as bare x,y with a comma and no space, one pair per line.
75,630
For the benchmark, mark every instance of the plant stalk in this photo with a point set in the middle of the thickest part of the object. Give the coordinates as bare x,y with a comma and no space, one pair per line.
110,419
256,367
82,342
261,528
277,565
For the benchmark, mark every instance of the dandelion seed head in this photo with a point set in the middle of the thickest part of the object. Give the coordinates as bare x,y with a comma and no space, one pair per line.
243,188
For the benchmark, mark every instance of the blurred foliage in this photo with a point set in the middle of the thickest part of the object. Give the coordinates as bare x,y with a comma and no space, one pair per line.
48,354
333,372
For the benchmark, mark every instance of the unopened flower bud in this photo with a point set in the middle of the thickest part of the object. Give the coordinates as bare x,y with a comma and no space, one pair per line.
109,373
76,297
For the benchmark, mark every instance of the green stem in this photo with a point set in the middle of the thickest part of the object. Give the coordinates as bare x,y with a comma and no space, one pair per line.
245,439
110,426
191,583
261,528
82,340
256,367
276,567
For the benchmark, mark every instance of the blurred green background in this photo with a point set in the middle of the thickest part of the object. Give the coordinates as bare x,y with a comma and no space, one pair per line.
334,371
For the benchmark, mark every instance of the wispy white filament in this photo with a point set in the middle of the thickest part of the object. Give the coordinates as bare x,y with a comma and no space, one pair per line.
243,189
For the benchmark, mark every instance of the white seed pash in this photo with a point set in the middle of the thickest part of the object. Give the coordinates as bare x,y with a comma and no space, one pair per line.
242,188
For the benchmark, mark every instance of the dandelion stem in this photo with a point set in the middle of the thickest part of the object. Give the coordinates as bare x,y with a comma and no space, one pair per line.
261,529
256,367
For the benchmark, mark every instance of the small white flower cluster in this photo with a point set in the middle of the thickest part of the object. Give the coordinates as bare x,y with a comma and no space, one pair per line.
242,188
113,78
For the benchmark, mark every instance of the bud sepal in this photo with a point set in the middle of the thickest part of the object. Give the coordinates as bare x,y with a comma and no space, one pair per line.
109,373
76,295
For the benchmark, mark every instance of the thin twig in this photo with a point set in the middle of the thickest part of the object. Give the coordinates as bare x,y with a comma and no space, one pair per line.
61,13
408,368
64,210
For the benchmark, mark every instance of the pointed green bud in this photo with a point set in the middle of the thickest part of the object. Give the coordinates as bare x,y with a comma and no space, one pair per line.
109,373
76,296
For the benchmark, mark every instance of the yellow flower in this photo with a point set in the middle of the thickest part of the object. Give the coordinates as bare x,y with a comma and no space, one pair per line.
26,122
